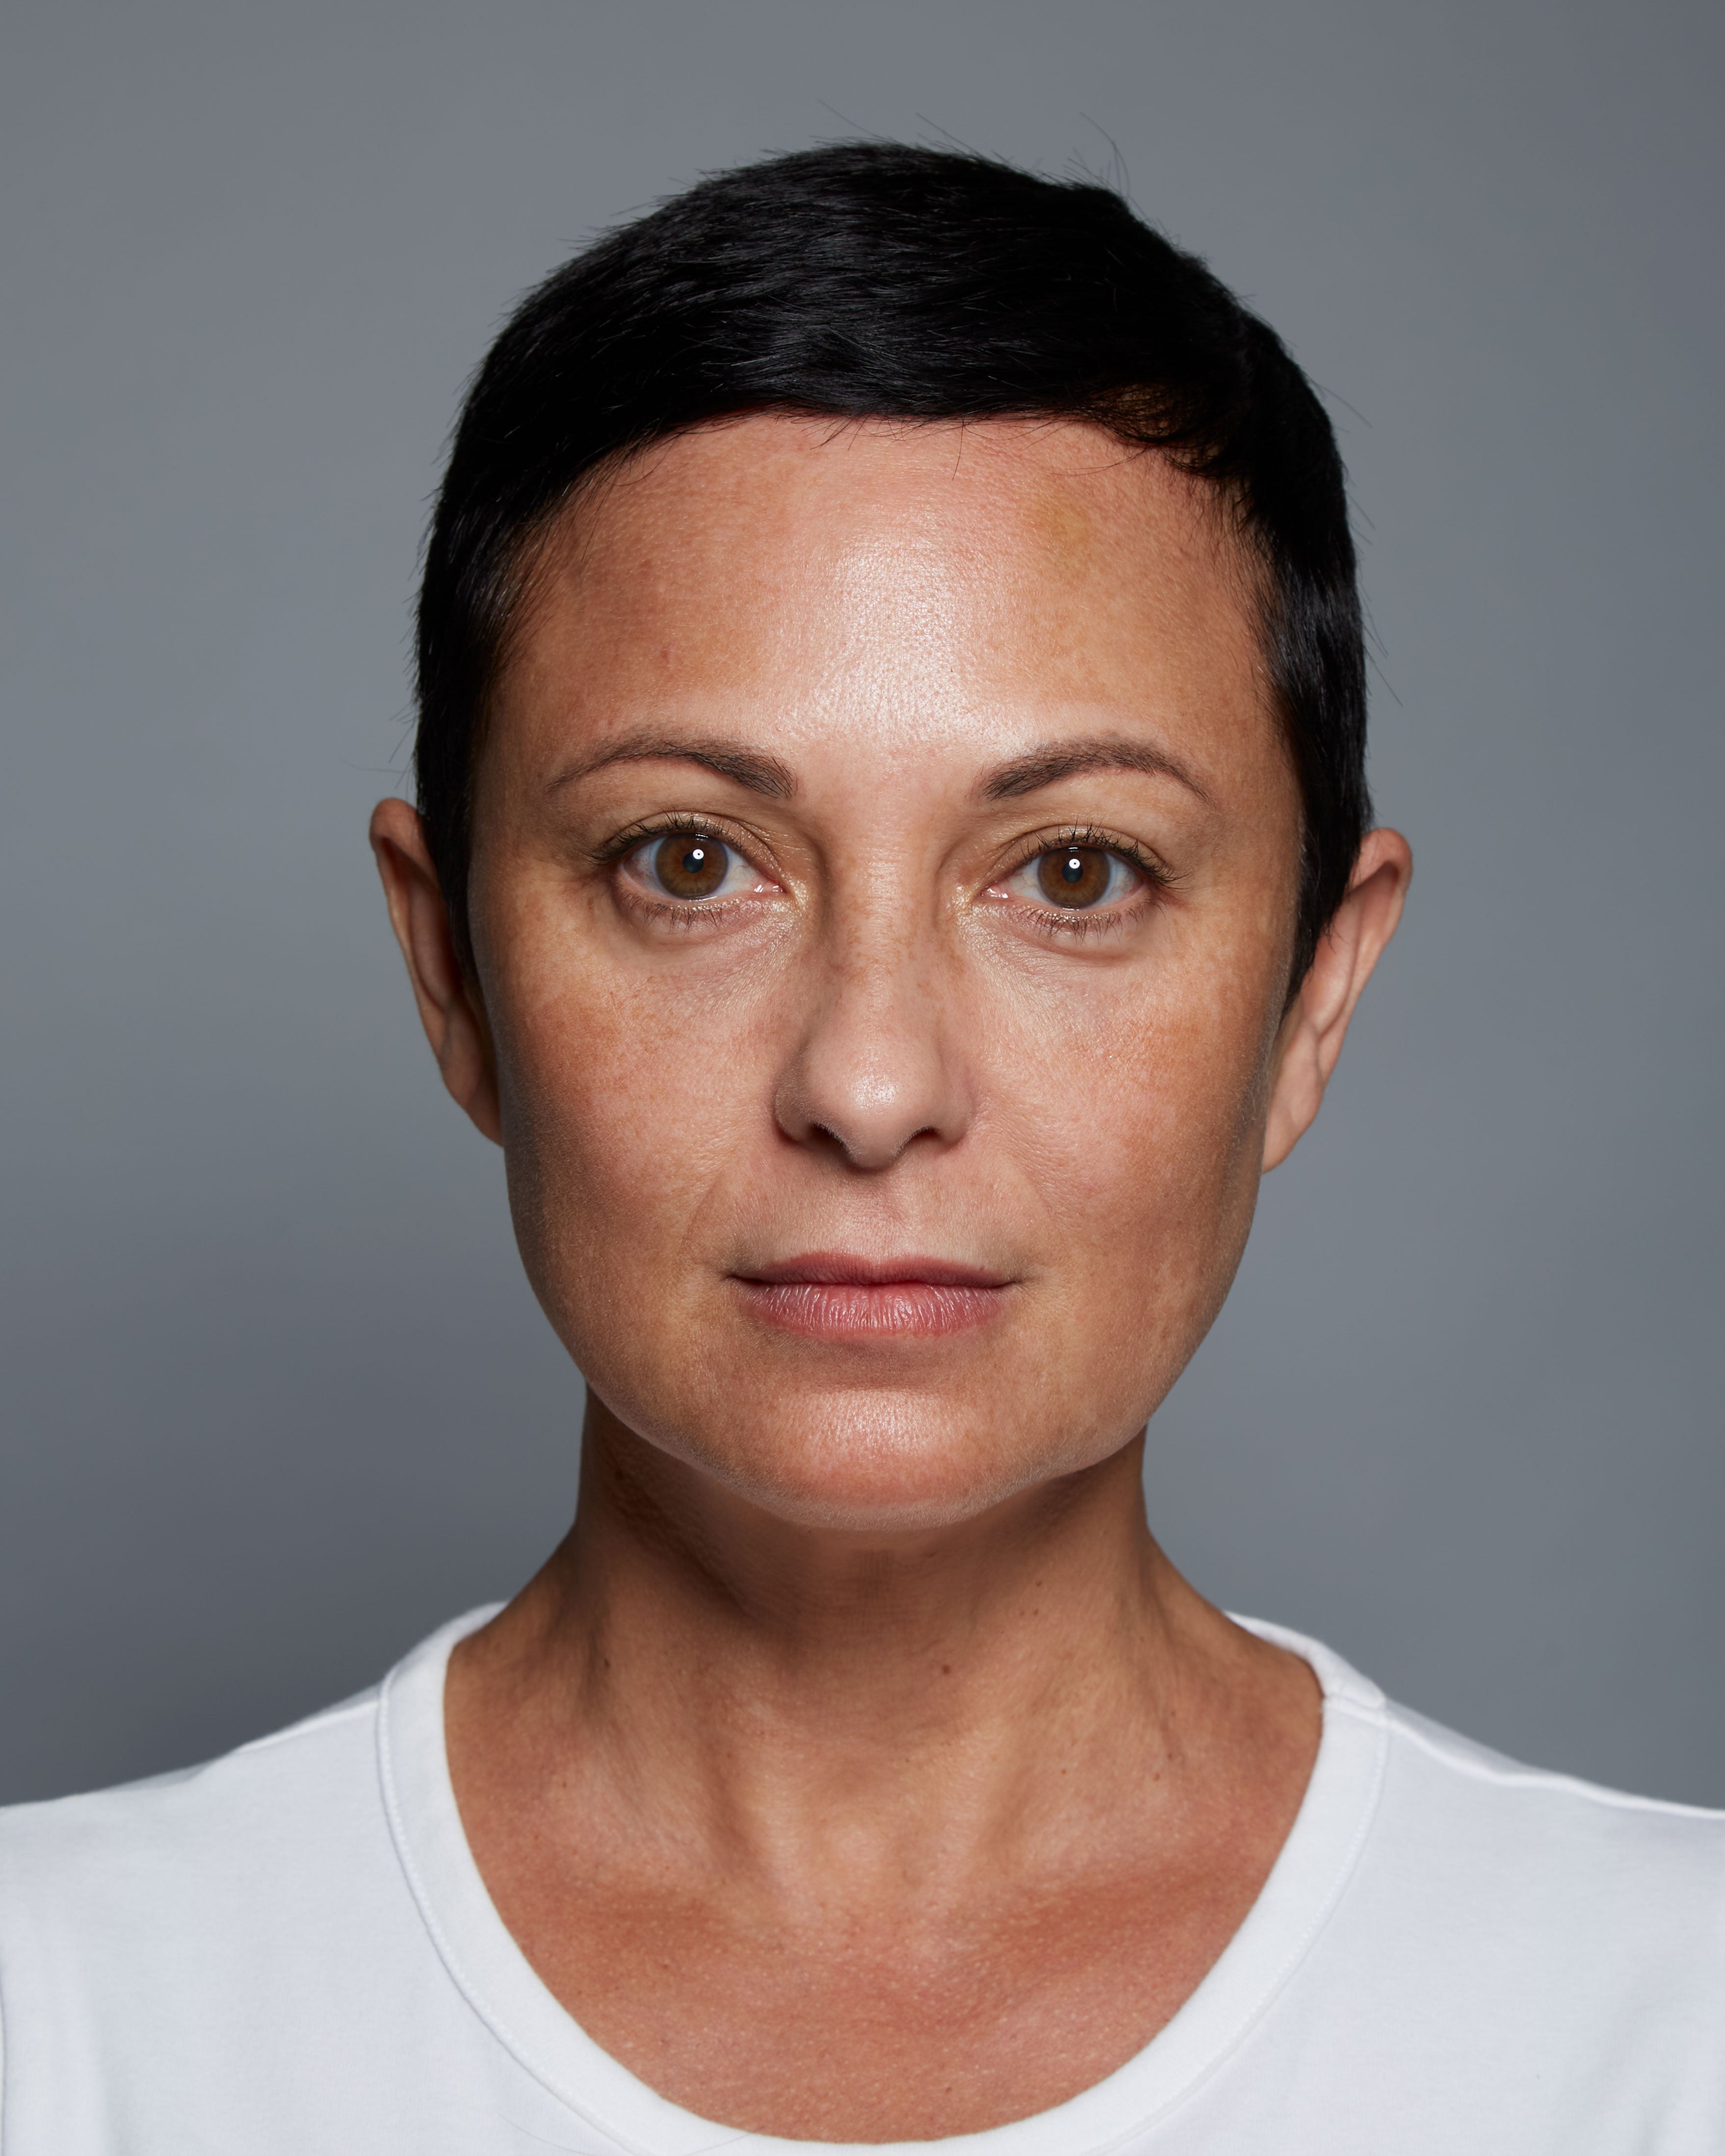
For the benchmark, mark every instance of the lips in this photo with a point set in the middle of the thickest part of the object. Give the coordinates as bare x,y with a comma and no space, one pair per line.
837,1296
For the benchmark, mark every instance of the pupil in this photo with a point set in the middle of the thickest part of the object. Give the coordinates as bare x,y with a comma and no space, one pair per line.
1072,868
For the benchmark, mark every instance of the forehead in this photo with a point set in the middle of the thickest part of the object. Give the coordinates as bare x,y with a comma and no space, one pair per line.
928,569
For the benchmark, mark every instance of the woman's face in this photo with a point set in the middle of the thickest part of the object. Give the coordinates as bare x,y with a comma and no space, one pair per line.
883,895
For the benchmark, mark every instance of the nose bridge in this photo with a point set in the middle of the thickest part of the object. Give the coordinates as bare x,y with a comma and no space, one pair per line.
879,949
873,1067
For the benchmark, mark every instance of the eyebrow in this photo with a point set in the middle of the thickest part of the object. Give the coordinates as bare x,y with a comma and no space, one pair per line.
1070,759
767,775
747,766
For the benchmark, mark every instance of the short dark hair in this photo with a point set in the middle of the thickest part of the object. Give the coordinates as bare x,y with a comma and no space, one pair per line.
878,281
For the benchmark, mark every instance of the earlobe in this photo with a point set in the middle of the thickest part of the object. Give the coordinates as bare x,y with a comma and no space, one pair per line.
1298,1091
1316,1024
450,1010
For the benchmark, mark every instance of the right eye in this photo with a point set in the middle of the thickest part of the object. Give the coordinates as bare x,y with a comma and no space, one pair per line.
689,867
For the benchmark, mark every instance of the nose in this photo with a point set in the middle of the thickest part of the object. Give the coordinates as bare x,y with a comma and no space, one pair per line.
874,1069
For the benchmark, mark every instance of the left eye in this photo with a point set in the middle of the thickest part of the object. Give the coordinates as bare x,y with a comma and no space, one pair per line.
1076,878
689,866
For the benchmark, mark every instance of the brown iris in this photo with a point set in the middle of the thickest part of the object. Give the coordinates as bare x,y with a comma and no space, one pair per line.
690,865
1074,875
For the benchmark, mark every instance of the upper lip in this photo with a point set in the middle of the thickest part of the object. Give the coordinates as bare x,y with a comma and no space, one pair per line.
841,1269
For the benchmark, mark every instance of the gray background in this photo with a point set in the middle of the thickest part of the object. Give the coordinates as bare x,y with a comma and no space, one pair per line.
275,1399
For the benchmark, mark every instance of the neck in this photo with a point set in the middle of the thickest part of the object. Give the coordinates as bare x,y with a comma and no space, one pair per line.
771,1690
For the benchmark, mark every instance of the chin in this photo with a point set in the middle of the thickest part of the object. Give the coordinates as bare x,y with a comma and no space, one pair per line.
891,1466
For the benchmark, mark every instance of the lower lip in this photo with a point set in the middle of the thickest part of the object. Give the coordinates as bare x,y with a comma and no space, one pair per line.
879,1310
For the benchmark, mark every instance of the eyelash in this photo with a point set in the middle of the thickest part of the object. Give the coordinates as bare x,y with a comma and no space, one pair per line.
659,827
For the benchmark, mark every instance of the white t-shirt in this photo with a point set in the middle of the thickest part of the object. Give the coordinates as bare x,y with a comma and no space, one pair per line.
291,1952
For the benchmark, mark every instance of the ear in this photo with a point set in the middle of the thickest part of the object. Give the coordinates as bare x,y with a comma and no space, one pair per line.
449,1006
1316,1023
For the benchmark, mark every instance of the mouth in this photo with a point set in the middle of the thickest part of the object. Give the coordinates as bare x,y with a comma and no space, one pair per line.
828,1294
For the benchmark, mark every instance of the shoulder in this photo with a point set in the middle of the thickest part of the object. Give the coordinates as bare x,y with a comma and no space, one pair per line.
1490,1802
165,1947
1548,1882
168,1949
1472,1873
239,1791
1454,1807
281,1849
119,1876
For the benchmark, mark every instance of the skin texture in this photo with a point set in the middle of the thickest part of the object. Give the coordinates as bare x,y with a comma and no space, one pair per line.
858,1768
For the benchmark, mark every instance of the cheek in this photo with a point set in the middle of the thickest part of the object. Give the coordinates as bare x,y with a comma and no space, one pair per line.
1139,1118
625,1099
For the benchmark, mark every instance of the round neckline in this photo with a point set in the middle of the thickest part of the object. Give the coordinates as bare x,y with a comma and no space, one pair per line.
503,1988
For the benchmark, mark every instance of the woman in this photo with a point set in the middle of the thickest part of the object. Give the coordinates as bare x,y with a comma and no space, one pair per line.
891,871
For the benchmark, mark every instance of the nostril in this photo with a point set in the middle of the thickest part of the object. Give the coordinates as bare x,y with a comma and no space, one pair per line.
870,1149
